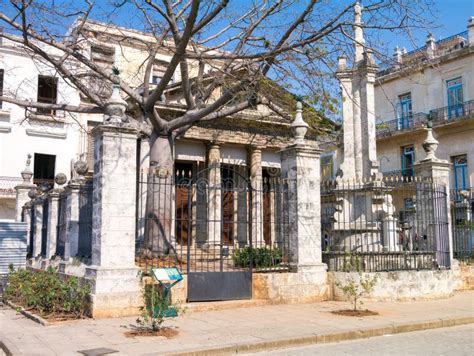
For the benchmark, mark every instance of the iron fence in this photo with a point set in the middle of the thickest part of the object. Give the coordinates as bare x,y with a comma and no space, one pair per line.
462,218
85,220
384,225
212,220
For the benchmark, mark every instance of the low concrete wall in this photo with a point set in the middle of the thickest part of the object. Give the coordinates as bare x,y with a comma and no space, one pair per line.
291,287
464,274
401,285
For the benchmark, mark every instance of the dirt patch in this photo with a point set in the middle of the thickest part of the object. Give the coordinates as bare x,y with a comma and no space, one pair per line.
165,332
352,312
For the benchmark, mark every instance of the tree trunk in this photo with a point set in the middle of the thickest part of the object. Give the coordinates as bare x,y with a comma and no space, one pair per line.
159,227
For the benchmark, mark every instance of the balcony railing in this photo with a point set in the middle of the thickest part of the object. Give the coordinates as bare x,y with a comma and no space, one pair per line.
8,184
440,116
452,112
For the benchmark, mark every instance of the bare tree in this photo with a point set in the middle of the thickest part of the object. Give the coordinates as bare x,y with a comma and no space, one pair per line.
224,52
217,57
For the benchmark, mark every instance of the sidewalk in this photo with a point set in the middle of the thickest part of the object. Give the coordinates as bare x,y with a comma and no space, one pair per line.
226,331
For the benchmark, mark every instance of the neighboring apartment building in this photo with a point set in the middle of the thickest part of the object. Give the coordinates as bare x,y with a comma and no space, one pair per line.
437,80
53,138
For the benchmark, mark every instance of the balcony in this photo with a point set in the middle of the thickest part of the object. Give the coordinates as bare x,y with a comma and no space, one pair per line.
8,184
440,117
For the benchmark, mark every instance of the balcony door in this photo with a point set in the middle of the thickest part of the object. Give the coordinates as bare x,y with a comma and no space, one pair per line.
455,98
408,158
405,115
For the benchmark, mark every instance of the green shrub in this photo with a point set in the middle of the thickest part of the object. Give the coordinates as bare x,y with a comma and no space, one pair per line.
262,257
355,288
45,292
157,307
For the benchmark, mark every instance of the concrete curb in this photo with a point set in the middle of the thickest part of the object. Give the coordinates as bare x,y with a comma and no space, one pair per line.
27,314
327,338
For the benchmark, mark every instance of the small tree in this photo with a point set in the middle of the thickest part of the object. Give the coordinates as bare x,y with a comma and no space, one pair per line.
355,289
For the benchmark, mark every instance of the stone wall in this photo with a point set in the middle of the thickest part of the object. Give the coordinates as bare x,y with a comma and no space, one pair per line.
290,287
402,285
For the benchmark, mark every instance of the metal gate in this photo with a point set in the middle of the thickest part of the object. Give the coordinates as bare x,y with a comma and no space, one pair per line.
212,225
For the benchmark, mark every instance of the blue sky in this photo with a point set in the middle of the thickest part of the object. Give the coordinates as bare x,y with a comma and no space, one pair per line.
451,17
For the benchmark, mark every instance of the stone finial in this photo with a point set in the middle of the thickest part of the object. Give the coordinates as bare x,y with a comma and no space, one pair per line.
81,168
60,179
397,55
299,126
470,29
27,173
341,63
430,45
368,57
430,144
115,107
33,193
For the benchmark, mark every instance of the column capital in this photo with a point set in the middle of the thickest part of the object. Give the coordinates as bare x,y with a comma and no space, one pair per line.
111,130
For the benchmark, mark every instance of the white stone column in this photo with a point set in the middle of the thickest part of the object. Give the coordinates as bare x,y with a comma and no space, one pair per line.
214,197
71,244
300,169
437,171
53,198
38,226
300,166
257,195
114,276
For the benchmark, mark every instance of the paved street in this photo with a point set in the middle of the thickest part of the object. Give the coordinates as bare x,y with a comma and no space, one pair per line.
457,340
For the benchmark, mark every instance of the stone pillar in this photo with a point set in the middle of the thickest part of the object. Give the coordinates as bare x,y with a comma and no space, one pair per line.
53,198
113,274
300,168
37,226
71,244
257,195
437,171
214,198
22,190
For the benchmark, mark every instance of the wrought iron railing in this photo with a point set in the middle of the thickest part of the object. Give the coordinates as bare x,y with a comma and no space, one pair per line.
384,225
440,116
452,112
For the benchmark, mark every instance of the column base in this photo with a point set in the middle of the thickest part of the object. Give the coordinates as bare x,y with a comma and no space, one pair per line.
114,291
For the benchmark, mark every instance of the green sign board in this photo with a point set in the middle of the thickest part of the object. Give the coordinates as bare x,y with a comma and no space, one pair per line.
167,274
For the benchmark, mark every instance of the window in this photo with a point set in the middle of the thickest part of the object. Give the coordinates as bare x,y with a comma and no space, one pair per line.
408,158
103,56
327,169
44,167
47,93
1,85
455,98
405,114
460,172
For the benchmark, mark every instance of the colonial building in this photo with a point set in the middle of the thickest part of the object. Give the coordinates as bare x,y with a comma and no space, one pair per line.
435,80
